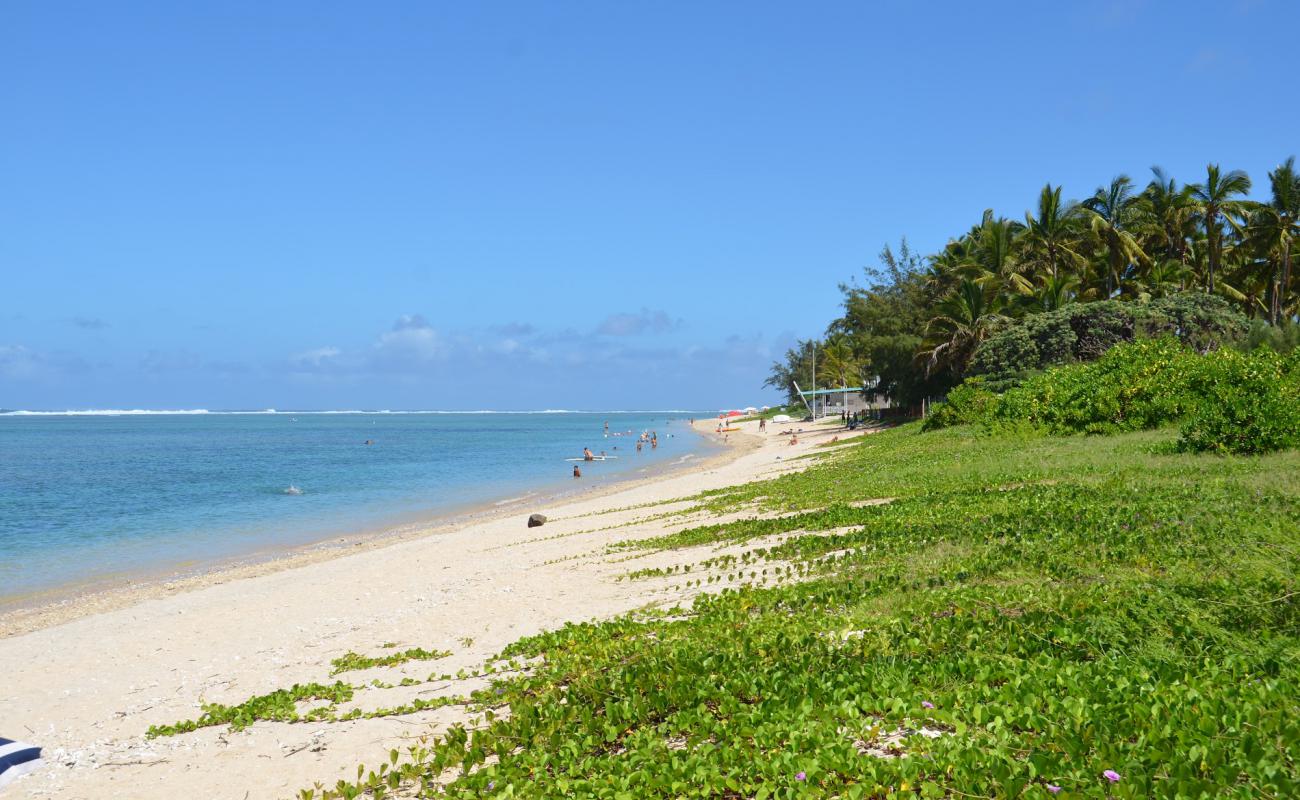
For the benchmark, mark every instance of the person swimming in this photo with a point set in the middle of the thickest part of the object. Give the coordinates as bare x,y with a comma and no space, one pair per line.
587,455
577,473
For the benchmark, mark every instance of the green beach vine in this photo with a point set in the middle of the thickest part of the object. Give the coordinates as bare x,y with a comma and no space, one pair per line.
1027,616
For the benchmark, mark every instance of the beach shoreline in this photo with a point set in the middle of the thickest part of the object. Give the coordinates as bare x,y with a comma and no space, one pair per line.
31,611
91,681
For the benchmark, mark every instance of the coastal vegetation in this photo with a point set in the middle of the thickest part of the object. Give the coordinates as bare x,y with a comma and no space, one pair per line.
1226,401
973,610
355,661
319,702
921,325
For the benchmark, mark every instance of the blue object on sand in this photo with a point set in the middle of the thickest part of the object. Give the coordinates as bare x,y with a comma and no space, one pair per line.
17,759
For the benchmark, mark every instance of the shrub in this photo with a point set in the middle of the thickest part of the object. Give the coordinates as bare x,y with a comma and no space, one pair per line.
1027,346
1097,328
1229,401
1200,321
1132,387
966,404
1246,404
1085,331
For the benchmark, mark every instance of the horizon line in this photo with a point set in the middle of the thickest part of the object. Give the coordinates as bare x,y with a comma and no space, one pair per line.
6,412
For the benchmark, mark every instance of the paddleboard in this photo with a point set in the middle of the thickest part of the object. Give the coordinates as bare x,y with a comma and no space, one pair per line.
594,458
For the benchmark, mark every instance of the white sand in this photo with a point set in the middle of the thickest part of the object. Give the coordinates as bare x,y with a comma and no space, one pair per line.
94,675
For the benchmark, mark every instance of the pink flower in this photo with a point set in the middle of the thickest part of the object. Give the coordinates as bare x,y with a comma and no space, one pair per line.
926,704
1053,788
1111,775
801,776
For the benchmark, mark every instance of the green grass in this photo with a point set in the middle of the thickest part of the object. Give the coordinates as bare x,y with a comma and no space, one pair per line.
1048,608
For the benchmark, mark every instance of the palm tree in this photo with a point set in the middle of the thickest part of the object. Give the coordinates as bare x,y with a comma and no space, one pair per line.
837,364
950,265
1274,227
965,318
993,253
1051,239
1165,213
1163,278
1110,212
1051,294
1214,207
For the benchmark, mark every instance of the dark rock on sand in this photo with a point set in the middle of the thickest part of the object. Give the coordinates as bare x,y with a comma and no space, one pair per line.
536,520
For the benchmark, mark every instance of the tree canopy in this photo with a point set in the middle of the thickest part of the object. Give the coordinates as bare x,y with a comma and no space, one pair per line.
918,323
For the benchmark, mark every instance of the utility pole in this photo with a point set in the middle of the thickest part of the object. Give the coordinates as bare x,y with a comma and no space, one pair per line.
814,380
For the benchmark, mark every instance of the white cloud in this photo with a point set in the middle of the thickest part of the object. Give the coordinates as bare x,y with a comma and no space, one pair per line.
412,348
412,339
316,357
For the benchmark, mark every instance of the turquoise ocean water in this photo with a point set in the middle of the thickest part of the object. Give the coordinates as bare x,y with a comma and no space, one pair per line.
89,497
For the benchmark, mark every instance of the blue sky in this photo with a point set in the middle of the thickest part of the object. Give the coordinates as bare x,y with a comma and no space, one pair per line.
549,205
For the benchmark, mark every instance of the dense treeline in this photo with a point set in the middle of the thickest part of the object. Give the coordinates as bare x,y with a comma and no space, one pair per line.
917,325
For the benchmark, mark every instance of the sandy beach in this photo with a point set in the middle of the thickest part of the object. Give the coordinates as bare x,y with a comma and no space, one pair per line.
85,679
